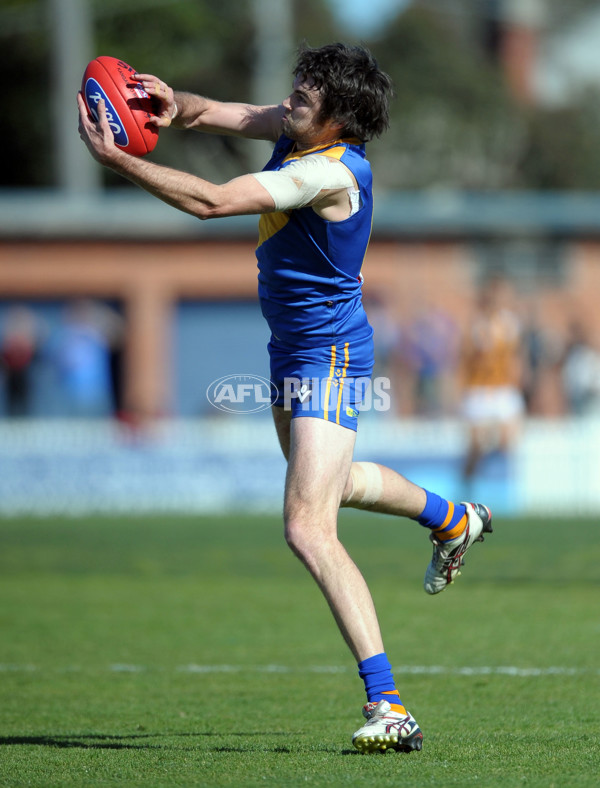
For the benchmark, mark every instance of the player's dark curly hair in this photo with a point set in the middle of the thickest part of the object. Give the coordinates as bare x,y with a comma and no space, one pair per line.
354,90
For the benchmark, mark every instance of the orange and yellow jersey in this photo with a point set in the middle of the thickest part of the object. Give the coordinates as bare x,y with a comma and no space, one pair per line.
492,351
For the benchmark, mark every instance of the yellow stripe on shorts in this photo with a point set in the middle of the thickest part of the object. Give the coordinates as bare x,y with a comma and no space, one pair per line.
341,386
328,387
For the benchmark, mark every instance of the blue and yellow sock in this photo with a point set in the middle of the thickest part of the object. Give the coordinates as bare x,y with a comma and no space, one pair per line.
446,519
376,672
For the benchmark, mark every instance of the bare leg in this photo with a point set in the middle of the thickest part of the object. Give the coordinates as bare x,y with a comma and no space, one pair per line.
477,441
395,495
399,496
319,459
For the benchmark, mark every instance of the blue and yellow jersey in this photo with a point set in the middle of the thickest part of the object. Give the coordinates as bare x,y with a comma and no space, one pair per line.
309,281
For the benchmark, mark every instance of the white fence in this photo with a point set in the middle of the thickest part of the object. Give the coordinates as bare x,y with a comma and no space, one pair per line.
235,464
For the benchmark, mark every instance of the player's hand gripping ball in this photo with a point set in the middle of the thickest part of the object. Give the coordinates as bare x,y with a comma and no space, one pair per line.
128,106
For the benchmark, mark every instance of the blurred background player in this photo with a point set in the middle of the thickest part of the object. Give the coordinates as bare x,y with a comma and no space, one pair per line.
19,346
580,370
492,367
89,338
315,201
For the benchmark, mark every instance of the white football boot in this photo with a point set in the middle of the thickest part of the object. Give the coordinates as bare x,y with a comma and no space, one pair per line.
387,730
448,557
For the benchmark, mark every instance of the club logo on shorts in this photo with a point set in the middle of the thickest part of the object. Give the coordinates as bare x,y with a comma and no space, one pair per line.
304,392
341,395
241,393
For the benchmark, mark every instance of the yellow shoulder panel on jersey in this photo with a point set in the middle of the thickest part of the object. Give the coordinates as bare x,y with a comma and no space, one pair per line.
334,152
271,223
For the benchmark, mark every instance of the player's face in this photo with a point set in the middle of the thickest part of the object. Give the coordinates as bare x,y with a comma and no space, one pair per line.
301,120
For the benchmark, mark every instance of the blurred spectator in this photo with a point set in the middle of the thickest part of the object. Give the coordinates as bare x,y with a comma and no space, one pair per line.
543,348
386,330
581,372
90,333
538,355
386,338
492,361
18,350
112,325
429,350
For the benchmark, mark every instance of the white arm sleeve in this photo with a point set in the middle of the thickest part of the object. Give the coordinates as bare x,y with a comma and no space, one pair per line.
298,184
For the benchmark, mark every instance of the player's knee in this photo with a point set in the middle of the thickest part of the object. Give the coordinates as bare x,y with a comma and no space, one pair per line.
309,543
294,532
364,487
301,542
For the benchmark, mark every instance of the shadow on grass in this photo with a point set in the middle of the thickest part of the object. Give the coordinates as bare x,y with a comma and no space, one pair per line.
134,741
85,742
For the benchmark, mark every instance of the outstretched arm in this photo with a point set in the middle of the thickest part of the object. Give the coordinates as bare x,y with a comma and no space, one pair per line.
188,193
189,111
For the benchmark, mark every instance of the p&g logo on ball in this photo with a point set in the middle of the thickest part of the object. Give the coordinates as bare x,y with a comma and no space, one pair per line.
93,94
240,393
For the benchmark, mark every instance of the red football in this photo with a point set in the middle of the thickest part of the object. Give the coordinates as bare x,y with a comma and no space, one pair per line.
128,106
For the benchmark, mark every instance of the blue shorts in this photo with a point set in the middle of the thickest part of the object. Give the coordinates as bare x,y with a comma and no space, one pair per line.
327,383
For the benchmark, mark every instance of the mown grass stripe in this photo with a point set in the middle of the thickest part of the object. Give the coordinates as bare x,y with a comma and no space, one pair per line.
426,670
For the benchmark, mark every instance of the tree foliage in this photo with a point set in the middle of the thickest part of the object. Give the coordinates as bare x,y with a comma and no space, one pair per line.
24,63
205,46
454,122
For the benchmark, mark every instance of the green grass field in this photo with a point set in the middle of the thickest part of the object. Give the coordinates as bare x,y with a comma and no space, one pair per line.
197,651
